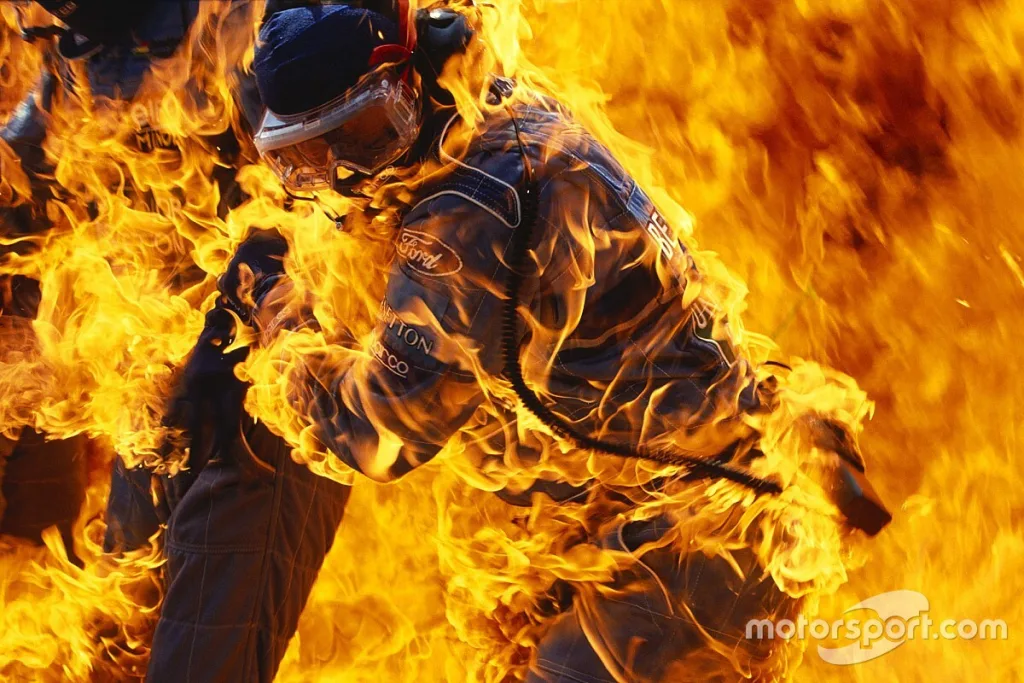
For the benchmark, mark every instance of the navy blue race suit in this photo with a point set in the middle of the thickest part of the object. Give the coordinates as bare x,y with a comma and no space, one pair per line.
44,480
246,528
617,347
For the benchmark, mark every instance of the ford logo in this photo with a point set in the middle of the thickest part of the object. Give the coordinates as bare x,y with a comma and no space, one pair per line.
427,255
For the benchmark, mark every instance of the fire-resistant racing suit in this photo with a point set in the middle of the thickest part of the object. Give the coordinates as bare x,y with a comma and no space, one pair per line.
254,524
620,340
44,480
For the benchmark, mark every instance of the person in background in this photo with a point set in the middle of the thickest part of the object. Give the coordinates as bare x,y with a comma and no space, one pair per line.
116,44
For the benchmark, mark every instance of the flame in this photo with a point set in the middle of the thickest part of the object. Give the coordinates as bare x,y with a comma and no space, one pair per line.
65,622
847,169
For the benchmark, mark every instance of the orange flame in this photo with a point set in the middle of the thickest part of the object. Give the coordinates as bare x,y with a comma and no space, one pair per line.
854,163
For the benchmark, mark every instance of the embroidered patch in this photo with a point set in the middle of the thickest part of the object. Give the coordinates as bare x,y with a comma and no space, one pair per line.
427,255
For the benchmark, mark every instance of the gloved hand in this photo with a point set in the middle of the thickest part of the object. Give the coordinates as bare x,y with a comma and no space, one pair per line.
260,292
256,267
207,403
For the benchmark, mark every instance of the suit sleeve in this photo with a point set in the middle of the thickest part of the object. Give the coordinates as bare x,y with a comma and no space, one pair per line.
22,139
26,129
437,336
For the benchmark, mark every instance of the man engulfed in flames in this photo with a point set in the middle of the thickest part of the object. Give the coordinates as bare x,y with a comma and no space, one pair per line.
491,283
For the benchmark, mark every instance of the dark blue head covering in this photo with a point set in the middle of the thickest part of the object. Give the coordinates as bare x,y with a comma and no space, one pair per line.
307,56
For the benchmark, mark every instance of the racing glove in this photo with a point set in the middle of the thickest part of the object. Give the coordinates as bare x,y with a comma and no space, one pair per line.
257,288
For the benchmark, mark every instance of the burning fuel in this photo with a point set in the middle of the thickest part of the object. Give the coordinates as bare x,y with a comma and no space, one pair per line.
845,177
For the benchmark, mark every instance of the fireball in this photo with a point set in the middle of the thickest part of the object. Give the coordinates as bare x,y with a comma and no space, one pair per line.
846,175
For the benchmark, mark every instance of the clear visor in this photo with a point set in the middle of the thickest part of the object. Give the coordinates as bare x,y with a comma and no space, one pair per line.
364,130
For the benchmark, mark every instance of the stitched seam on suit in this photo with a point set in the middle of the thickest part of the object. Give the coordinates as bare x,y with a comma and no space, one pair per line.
197,549
565,671
193,625
275,509
238,550
298,545
199,607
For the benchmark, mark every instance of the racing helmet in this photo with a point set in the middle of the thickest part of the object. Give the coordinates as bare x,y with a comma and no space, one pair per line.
336,82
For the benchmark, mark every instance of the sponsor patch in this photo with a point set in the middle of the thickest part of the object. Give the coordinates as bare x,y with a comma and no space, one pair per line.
150,139
703,320
662,234
680,263
427,255
389,360
409,334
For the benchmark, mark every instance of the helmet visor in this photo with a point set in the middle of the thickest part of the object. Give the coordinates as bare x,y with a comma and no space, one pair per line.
364,130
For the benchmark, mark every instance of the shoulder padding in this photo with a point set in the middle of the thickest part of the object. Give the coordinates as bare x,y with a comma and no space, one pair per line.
482,185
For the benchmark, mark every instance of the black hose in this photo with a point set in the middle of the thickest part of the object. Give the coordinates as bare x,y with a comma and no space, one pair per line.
513,371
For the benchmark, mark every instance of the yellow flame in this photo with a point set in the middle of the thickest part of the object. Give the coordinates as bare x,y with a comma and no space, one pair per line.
854,163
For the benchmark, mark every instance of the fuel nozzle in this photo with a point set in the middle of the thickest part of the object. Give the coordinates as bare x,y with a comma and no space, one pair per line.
847,483
857,500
